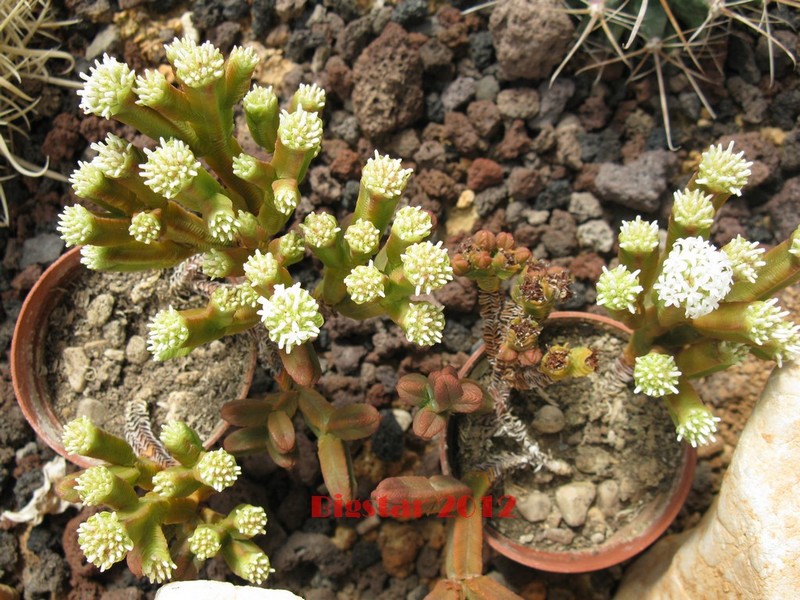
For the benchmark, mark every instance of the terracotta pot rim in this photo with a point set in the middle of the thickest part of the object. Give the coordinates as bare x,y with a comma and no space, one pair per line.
590,559
25,361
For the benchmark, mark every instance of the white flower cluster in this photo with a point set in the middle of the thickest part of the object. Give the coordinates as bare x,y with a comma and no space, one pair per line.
218,469
723,172
300,130
427,266
108,86
291,316
412,224
767,325
365,283
656,375
385,176
638,236
618,289
94,485
250,520
362,237
114,156
104,540
196,66
167,332
170,168
320,229
693,208
698,427
261,269
745,258
75,224
145,227
205,542
695,276
423,323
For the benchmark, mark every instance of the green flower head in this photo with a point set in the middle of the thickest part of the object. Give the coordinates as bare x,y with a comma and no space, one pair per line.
250,520
104,540
301,130
94,485
115,156
167,333
656,375
427,266
109,85
320,229
693,208
618,289
291,316
145,227
218,469
412,224
170,168
365,283
745,258
196,66
698,427
423,323
75,224
385,176
363,237
723,172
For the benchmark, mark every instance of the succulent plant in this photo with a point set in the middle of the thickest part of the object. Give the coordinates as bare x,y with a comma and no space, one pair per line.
695,308
164,528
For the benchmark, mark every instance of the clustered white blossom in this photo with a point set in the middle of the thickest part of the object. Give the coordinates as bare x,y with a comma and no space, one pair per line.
618,289
695,276
300,130
107,87
196,66
250,520
745,258
362,237
261,269
104,540
723,172
158,569
94,485
75,224
320,229
205,542
412,224
423,323
693,208
170,168
167,332
656,375
291,316
365,283
218,469
145,227
638,236
114,156
427,266
697,427
385,176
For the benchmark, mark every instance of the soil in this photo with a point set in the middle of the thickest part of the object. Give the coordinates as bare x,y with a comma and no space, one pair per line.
623,444
99,361
558,165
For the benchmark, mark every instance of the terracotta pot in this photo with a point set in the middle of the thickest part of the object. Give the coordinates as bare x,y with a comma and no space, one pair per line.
28,366
627,541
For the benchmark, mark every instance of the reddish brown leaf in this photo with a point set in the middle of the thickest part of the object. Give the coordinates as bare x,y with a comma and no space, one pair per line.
281,431
353,422
428,424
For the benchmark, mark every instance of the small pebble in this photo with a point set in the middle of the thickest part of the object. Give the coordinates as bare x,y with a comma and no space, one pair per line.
76,363
136,350
549,419
535,507
574,500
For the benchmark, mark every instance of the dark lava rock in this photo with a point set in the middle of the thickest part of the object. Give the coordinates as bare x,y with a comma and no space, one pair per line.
8,552
639,184
313,549
387,441
45,577
410,12
262,13
387,94
784,209
365,554
481,49
556,195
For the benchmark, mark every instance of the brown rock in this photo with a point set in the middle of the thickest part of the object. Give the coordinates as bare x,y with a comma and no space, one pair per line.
524,183
515,142
346,165
484,173
587,266
462,134
387,94
437,184
399,544
485,117
459,295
